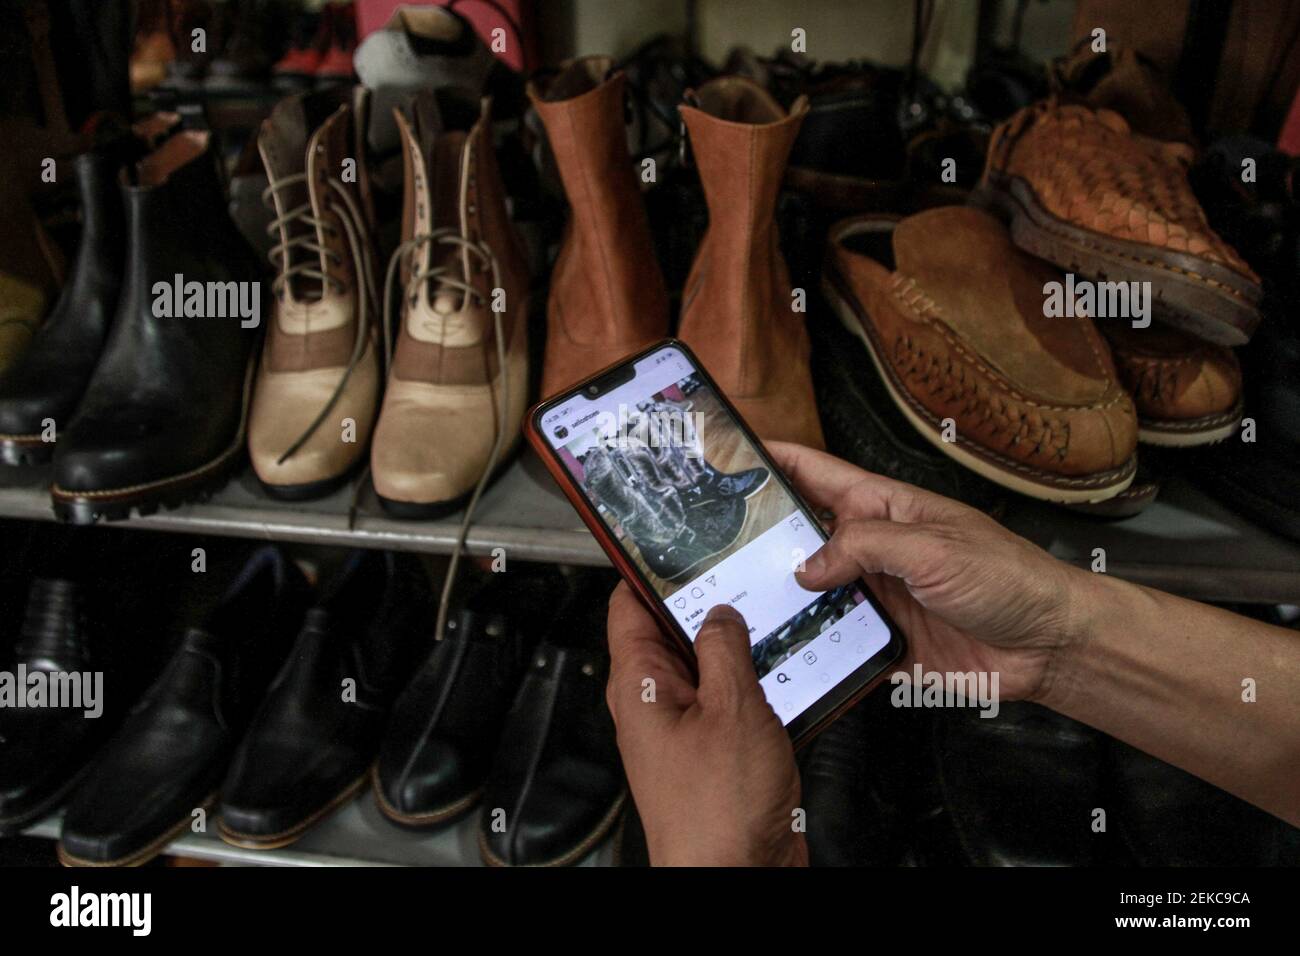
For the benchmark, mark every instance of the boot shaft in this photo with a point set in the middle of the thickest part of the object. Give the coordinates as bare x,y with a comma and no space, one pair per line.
740,140
459,245
310,146
607,291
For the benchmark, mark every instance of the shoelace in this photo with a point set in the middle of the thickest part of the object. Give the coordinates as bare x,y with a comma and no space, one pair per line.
358,237
442,277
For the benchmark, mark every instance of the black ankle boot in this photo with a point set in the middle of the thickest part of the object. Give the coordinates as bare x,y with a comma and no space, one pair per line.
162,421
168,759
318,731
48,380
44,749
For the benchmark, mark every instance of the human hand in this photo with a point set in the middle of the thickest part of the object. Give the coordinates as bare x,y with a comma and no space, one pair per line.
968,594
710,766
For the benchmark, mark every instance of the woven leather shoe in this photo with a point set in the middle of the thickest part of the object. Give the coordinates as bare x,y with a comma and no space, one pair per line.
1082,191
951,314
1186,391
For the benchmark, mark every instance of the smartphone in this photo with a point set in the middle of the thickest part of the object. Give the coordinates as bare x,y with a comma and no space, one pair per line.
691,510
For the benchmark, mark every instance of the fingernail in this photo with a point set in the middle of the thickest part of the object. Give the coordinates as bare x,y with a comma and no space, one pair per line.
812,566
722,612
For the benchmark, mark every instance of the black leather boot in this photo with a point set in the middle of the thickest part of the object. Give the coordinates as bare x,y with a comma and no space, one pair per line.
557,788
162,421
170,755
1166,817
316,735
1021,788
49,379
43,750
444,730
856,785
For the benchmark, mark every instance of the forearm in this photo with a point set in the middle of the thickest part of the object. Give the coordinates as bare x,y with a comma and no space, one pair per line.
1169,676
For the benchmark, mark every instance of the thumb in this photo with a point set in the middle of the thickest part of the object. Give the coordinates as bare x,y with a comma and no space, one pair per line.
725,665
866,547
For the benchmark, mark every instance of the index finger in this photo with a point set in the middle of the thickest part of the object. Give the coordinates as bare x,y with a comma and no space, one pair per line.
845,489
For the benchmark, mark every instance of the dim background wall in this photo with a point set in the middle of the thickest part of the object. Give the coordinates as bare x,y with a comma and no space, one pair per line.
877,30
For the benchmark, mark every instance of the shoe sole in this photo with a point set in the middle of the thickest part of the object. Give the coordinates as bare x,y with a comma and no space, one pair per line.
1005,472
1202,298
592,840
139,857
117,504
444,814
274,841
1209,430
310,490
432,510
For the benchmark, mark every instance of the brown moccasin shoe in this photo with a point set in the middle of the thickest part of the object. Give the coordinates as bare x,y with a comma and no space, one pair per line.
951,313
1186,392
1084,192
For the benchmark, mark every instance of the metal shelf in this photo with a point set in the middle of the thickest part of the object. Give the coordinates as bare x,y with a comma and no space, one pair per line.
1186,542
523,512
355,835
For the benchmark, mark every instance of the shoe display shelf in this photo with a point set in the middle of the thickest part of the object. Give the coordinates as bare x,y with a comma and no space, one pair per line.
1186,542
357,834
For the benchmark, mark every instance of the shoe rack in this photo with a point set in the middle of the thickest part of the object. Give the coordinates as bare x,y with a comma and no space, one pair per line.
1186,542
356,835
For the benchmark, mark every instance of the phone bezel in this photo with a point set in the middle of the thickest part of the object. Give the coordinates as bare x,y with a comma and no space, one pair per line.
837,698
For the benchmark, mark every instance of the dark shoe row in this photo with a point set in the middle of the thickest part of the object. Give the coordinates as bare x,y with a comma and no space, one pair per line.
512,719
886,786
279,705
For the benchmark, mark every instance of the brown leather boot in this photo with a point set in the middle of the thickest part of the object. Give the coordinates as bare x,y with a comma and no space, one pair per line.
318,387
607,294
737,309
456,390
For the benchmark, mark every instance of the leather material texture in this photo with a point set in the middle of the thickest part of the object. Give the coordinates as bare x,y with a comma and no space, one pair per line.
444,730
43,749
321,353
169,756
607,296
443,408
556,787
955,312
1010,783
1088,169
1173,376
738,310
168,397
318,730
53,373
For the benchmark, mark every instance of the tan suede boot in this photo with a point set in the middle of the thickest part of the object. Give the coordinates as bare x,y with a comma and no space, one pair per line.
607,295
456,391
318,387
737,309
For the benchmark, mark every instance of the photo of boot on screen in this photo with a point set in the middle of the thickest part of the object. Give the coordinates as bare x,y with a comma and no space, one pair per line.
677,500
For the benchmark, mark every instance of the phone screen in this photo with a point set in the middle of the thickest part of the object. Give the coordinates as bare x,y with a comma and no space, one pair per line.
704,517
